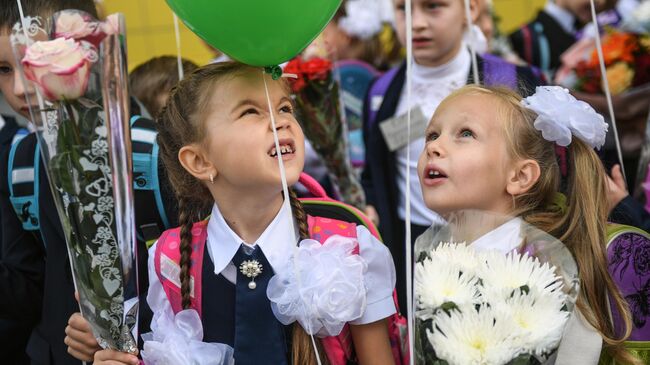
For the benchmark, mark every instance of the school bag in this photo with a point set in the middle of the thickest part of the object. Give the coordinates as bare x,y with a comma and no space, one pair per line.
628,261
23,181
326,217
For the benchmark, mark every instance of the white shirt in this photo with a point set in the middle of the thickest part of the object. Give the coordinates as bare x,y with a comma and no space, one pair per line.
562,16
504,238
430,85
276,242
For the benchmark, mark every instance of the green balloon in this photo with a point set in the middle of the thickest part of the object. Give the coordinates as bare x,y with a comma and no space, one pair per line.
256,32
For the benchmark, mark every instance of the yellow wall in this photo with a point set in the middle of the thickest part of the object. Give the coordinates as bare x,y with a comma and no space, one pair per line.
150,29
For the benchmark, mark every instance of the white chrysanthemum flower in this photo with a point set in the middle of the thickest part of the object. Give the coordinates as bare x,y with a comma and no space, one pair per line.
472,337
437,284
457,255
539,322
501,275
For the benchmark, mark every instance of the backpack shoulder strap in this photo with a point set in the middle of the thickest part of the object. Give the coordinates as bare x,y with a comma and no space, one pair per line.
377,91
321,228
167,265
497,71
23,180
146,184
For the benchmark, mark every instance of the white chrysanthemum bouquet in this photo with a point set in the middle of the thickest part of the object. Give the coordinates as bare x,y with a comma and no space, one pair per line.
486,307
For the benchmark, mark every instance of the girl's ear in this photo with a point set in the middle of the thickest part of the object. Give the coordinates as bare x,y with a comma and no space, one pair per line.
474,10
196,163
522,177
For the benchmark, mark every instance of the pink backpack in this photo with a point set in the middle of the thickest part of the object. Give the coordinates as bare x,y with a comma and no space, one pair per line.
326,217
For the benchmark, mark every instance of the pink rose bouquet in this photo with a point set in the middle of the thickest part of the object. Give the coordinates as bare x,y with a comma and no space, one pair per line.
83,131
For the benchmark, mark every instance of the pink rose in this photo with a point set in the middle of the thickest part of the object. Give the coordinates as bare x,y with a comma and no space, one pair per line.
81,26
60,68
111,25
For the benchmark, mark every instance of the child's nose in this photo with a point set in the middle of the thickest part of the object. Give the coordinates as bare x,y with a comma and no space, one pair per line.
419,20
435,148
280,122
20,89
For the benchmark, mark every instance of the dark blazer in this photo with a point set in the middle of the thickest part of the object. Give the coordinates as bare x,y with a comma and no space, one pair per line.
13,334
530,40
379,177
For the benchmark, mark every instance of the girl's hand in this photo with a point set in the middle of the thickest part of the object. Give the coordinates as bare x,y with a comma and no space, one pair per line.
616,190
372,344
80,339
371,212
112,357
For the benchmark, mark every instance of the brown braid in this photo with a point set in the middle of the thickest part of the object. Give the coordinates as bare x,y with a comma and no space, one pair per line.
186,222
299,214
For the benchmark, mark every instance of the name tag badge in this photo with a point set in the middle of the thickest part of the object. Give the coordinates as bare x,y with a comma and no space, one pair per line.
395,129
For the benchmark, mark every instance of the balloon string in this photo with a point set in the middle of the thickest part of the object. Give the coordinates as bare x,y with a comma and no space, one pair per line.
283,176
179,60
285,190
472,50
28,42
608,95
407,218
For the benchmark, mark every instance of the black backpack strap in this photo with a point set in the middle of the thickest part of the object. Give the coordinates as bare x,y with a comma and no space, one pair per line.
150,223
23,180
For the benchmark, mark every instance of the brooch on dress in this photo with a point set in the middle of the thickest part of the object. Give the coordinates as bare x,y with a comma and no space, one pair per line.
251,269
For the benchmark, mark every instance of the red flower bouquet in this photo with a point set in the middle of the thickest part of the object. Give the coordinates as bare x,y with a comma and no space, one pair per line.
319,113
627,62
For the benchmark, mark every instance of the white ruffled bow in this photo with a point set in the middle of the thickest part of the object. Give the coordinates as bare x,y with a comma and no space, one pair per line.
560,115
176,340
322,288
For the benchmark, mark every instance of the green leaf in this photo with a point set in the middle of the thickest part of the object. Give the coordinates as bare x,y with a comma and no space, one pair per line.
448,306
524,359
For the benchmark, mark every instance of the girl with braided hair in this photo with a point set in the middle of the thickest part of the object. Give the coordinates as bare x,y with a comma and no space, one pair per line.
217,144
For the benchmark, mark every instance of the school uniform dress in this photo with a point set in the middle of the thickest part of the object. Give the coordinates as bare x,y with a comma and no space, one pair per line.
383,176
225,320
542,41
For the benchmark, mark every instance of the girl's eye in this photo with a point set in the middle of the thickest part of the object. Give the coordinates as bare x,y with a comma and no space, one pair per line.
5,70
432,136
466,133
400,7
287,109
249,111
431,6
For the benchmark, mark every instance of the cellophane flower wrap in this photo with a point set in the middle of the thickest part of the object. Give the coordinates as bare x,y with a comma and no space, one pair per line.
487,306
319,112
78,66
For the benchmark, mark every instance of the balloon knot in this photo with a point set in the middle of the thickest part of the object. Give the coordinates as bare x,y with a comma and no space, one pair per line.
274,71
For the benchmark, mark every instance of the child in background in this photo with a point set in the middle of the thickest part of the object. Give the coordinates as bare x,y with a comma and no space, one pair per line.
212,116
504,162
442,65
357,32
151,82
542,41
